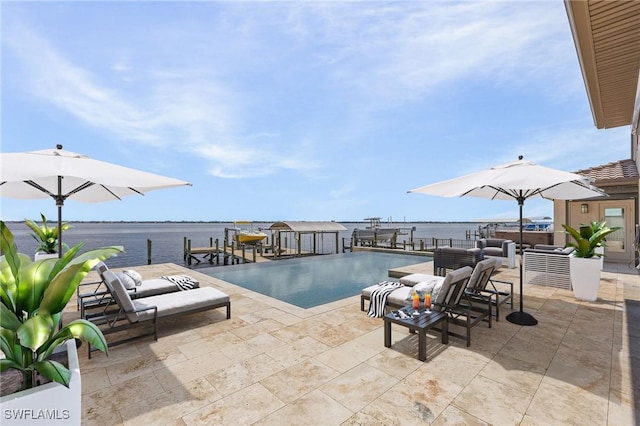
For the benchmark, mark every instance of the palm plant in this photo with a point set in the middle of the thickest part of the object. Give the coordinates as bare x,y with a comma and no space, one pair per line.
33,296
46,236
588,238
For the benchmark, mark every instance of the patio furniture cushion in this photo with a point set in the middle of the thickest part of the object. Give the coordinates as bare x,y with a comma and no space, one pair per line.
179,302
126,280
413,279
136,277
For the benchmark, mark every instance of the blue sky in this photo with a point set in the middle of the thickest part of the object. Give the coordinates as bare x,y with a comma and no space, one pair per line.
297,110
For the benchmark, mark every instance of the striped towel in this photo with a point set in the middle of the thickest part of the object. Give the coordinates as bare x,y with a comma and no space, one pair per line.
379,297
184,282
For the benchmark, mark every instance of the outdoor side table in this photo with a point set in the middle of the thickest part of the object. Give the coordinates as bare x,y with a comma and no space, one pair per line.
421,324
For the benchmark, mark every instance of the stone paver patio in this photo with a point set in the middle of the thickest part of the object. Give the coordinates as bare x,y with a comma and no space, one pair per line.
273,364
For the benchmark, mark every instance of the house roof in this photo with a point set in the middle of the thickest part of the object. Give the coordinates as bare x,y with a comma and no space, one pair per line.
607,39
616,171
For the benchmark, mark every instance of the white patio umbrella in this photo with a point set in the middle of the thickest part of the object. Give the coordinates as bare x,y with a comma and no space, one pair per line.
518,181
64,175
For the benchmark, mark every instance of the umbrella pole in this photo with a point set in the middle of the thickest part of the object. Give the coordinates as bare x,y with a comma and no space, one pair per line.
520,317
59,203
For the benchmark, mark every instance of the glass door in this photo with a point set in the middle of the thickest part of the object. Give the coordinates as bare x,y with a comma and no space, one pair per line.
619,244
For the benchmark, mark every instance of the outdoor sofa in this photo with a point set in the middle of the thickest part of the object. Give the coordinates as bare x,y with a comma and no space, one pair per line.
547,265
500,248
451,258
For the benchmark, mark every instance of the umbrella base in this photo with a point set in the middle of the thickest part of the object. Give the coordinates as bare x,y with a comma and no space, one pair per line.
521,318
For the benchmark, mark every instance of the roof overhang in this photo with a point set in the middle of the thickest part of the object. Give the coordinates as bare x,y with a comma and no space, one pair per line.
308,227
607,39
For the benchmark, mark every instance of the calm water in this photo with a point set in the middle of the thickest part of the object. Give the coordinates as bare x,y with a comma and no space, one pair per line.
167,237
312,281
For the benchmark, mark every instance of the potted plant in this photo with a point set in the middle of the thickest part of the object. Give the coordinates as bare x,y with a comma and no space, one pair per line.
585,263
33,296
47,237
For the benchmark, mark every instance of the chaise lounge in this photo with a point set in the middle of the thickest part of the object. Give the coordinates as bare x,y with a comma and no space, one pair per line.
96,297
132,313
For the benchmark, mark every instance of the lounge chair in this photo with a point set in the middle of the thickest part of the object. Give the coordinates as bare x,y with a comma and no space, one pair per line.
455,301
402,295
97,297
132,313
483,286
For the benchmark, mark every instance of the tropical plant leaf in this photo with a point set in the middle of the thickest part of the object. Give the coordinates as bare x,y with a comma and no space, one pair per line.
78,329
6,364
9,266
14,351
54,371
64,284
34,279
5,346
8,318
35,331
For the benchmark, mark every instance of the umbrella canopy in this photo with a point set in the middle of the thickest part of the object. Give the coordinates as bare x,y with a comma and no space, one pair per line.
518,181
66,175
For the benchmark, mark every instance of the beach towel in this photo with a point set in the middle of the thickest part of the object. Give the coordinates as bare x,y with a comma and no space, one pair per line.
379,297
184,282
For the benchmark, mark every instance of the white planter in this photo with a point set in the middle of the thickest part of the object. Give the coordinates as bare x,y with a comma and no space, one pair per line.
42,255
585,277
600,251
48,404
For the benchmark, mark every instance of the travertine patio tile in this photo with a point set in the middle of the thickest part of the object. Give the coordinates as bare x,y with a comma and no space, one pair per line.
94,380
240,408
252,347
358,387
344,357
132,367
492,402
240,375
297,351
454,416
514,373
328,365
621,410
456,365
415,400
536,352
208,344
553,405
98,405
337,335
186,371
252,330
171,405
297,380
314,408
394,363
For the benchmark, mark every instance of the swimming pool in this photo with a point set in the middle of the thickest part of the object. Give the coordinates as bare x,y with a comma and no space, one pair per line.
313,281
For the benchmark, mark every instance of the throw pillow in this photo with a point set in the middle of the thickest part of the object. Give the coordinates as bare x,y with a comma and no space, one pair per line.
137,279
126,280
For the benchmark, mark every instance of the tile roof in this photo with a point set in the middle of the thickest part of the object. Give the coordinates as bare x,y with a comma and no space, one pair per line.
623,169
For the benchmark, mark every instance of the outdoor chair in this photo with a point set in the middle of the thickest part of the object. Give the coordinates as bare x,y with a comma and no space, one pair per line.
482,286
99,296
456,303
451,258
402,295
146,311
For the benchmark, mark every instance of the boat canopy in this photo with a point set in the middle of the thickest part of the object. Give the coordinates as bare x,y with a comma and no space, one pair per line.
303,227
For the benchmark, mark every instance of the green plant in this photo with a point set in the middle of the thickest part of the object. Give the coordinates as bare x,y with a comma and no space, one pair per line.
46,236
33,296
588,238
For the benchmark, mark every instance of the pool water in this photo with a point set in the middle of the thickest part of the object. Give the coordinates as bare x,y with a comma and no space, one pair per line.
312,281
